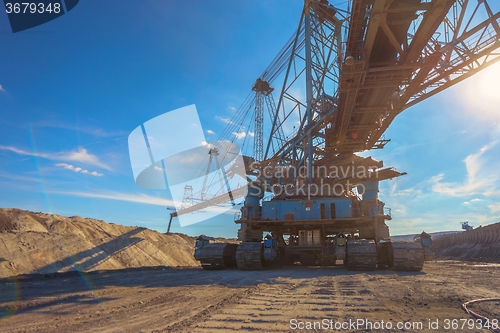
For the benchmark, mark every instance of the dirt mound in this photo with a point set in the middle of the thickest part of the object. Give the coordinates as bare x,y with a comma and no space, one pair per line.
47,243
480,243
5,222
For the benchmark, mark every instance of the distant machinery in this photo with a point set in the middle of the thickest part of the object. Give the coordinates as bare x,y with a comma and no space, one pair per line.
341,80
466,226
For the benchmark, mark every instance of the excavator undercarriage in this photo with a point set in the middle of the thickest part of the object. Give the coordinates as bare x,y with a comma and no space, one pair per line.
357,255
319,231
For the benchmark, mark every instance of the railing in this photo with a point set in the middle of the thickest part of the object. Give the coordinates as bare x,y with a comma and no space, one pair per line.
356,212
292,215
253,216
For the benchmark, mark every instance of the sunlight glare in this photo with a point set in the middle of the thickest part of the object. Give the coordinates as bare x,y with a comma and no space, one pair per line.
481,94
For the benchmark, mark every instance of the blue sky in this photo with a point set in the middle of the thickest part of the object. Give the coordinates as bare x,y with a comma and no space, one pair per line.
73,89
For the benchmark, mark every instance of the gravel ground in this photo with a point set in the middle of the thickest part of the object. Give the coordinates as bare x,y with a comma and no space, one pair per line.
283,300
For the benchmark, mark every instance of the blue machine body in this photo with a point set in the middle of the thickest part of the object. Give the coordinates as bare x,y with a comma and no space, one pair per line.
270,249
314,209
197,249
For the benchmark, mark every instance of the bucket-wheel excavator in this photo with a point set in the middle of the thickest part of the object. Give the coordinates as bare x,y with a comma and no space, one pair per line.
342,78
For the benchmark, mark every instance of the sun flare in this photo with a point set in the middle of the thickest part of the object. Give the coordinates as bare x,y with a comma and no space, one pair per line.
481,94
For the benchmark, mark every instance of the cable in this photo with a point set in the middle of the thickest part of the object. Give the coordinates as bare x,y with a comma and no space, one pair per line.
478,316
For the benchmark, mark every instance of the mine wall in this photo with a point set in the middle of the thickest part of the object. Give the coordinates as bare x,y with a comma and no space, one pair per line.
479,243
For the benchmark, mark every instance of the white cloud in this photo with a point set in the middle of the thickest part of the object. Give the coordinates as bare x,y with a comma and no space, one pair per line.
251,133
78,169
399,209
224,120
118,196
21,178
479,179
438,204
93,131
80,155
206,144
232,108
84,157
1,88
210,132
434,221
239,135
494,208
408,192
472,201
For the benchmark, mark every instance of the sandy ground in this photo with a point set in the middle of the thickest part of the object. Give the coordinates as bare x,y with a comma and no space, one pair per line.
32,242
194,300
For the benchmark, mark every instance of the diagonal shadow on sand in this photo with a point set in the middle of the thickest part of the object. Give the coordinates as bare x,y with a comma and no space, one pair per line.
88,259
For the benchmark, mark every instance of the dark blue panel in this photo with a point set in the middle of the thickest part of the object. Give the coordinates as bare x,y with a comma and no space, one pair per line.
46,10
70,4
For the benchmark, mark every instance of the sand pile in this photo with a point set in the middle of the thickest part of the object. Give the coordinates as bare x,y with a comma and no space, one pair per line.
47,243
480,243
